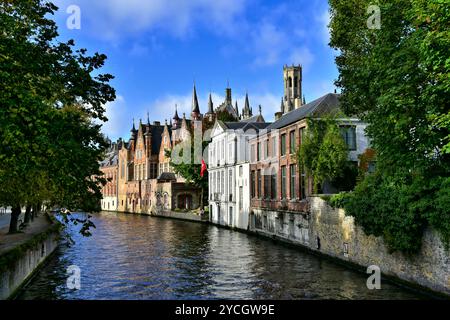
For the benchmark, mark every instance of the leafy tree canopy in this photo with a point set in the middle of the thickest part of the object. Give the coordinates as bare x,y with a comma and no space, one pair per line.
49,97
397,79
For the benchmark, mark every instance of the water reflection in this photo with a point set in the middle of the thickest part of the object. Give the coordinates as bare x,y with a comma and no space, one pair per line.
139,257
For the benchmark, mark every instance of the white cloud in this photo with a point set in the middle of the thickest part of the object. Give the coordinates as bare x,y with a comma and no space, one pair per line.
268,44
118,115
303,56
114,18
324,20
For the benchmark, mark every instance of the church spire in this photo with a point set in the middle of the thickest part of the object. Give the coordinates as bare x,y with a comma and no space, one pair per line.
195,107
246,111
134,127
210,104
176,117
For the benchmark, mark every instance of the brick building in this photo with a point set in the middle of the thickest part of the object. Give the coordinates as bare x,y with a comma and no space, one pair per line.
140,170
278,183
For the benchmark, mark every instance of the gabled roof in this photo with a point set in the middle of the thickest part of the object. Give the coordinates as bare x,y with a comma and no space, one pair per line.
327,104
228,108
257,118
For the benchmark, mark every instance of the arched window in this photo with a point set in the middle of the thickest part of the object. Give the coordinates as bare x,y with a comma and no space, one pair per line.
290,82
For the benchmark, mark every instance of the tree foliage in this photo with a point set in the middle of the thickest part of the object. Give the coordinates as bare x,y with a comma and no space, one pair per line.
49,98
397,79
189,168
323,151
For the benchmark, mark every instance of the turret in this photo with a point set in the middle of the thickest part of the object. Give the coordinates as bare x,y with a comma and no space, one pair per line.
176,119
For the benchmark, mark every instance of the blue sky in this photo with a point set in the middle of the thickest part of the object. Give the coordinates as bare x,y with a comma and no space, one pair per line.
157,48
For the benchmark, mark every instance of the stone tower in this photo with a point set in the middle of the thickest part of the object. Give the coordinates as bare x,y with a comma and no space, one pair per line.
292,99
292,86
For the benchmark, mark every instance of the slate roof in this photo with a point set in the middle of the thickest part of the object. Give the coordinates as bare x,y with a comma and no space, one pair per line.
166,176
257,118
111,159
156,132
327,104
246,125
228,108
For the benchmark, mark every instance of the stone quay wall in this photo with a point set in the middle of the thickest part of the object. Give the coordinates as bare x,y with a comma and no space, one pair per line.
12,278
329,231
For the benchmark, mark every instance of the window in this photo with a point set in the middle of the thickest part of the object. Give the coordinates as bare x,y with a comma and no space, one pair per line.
266,186
292,141
273,184
302,183
259,183
292,181
122,170
217,181
283,182
267,149
241,198
258,154
230,184
253,155
274,147
252,184
240,171
349,136
301,134
283,144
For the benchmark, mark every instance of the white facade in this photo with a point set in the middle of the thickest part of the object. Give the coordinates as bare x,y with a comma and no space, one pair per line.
109,203
229,175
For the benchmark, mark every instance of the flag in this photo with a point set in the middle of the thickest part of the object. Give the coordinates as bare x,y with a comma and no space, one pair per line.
203,169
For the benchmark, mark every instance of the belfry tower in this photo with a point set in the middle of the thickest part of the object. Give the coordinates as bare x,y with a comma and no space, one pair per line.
292,99
292,87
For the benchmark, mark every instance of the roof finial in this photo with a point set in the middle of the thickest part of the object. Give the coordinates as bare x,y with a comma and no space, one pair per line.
148,118
260,110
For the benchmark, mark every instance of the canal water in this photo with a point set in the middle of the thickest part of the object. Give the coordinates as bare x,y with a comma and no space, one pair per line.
141,257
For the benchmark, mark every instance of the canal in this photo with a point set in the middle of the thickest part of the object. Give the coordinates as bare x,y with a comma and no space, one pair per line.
141,257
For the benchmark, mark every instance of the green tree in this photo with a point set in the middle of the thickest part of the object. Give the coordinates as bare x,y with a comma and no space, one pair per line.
323,151
397,79
190,169
49,148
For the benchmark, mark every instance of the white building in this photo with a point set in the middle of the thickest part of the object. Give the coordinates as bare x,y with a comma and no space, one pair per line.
229,171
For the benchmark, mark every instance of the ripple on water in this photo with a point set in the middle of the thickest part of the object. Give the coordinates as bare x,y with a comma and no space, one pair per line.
139,257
